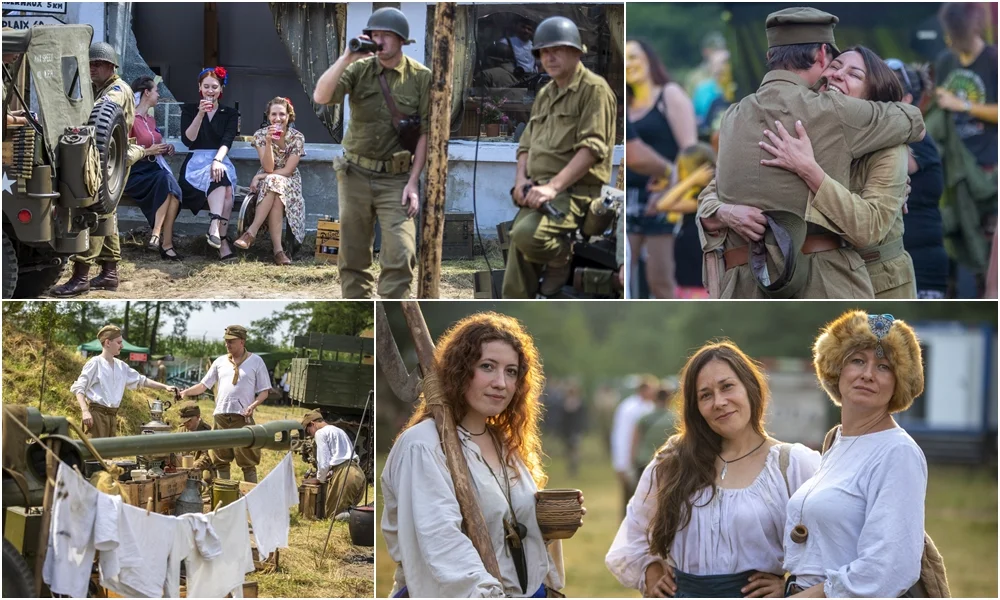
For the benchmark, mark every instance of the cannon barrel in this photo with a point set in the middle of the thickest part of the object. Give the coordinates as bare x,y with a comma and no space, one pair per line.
275,435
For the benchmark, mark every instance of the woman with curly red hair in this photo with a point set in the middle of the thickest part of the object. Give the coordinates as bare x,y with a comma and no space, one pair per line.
490,375
207,175
277,186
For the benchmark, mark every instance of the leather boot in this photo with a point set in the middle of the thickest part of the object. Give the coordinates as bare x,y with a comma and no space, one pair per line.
222,473
556,275
250,474
108,279
77,284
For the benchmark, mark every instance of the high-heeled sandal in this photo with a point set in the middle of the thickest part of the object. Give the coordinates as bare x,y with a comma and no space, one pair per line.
153,243
165,254
215,241
229,257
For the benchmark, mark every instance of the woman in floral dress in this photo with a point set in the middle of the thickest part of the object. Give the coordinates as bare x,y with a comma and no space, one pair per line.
277,185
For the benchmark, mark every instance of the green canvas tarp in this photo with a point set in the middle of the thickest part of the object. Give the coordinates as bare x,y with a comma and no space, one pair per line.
95,346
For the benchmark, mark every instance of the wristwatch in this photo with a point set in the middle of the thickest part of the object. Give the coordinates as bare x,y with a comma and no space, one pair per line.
967,107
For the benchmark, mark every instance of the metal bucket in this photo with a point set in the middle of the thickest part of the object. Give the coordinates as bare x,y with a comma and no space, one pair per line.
225,491
362,525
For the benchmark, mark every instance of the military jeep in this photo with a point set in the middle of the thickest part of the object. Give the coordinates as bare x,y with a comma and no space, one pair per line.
62,169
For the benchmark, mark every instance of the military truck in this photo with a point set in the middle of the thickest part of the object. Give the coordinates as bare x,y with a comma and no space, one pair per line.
335,374
25,468
65,166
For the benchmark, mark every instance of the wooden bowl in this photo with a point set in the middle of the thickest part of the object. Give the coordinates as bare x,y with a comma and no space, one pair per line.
558,512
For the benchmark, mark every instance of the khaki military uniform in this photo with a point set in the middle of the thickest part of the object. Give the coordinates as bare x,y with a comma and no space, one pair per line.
202,458
107,248
869,216
372,174
841,129
105,421
582,115
246,458
346,484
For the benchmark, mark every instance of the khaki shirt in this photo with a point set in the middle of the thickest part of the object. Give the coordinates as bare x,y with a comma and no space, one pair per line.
121,94
869,214
564,120
202,459
371,133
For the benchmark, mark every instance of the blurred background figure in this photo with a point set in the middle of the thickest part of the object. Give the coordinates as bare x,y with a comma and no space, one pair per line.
626,416
653,430
572,424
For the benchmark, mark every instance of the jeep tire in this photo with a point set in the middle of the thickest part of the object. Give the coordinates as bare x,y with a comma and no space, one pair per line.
111,136
18,580
9,267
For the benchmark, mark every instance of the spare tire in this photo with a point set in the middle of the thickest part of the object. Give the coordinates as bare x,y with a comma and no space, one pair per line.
111,136
18,581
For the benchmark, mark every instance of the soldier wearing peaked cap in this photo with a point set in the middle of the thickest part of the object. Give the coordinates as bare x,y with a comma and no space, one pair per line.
190,416
243,385
564,156
379,174
106,250
336,464
752,205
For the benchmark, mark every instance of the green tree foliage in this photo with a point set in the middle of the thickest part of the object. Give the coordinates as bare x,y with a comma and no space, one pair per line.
675,30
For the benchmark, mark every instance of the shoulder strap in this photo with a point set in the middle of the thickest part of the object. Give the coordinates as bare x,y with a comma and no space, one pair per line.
396,116
784,453
829,439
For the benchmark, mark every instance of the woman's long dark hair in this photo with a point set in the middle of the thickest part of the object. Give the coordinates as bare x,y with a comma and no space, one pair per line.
881,83
657,70
687,461
143,83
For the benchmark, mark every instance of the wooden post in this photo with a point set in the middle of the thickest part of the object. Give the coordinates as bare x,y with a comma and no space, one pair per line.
48,500
432,232
472,516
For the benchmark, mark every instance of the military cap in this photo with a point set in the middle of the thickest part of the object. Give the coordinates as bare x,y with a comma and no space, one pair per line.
189,410
234,332
109,332
776,260
800,25
310,417
103,51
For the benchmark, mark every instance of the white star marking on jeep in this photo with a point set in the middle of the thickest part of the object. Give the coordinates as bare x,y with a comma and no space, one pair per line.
7,184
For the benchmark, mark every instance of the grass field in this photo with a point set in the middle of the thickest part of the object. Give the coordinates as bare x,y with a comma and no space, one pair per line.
961,518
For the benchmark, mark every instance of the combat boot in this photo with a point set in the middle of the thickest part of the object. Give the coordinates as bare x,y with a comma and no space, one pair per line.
108,279
250,474
557,273
222,473
77,284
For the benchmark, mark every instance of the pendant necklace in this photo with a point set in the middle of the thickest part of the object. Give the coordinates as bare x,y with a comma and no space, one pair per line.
725,465
800,533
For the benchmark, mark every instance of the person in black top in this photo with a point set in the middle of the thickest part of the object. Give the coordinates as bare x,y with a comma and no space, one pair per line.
207,175
966,76
923,235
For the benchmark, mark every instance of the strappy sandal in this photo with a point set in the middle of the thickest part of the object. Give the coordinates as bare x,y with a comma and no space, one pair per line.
246,240
229,257
214,240
153,243
165,254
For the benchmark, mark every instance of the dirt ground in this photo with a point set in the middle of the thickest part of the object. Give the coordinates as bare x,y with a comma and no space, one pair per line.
144,275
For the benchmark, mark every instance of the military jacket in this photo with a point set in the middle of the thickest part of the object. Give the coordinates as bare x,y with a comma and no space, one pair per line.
582,115
370,132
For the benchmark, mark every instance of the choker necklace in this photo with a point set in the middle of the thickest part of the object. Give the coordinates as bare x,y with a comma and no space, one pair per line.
483,432
725,466
800,533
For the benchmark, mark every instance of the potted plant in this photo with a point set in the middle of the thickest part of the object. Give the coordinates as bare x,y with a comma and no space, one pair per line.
491,115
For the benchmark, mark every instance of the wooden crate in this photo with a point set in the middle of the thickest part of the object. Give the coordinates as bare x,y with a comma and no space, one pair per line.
482,284
459,234
171,485
163,490
268,564
327,240
312,503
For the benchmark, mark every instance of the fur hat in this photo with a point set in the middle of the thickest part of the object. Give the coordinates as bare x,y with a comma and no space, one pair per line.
855,330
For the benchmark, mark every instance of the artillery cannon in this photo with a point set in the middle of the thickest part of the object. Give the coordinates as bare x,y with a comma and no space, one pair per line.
25,469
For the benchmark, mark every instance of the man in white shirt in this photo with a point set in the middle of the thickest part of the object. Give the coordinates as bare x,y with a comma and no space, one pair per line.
336,464
102,382
520,43
244,384
627,415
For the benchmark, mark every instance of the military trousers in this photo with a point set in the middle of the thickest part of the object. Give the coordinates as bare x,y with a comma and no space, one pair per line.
246,458
344,487
365,195
103,248
537,239
105,421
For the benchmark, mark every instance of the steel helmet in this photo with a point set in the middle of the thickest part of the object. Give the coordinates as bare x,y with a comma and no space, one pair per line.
389,19
556,31
105,52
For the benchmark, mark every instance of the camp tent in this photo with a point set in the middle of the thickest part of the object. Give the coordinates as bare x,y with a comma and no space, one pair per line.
94,347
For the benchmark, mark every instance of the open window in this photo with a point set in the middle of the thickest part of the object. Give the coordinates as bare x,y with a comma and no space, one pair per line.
71,77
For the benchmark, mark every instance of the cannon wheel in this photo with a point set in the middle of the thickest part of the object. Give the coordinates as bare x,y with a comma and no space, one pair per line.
17,576
112,145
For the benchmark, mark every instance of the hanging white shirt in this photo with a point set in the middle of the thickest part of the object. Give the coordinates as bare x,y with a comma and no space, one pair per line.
738,530
156,573
70,554
234,399
333,447
864,511
104,383
269,502
627,414
422,524
221,574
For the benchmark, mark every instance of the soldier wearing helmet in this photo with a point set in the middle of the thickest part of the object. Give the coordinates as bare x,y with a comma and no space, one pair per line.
564,155
378,176
106,250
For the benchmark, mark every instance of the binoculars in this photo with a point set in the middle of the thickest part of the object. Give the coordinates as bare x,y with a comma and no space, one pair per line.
361,45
